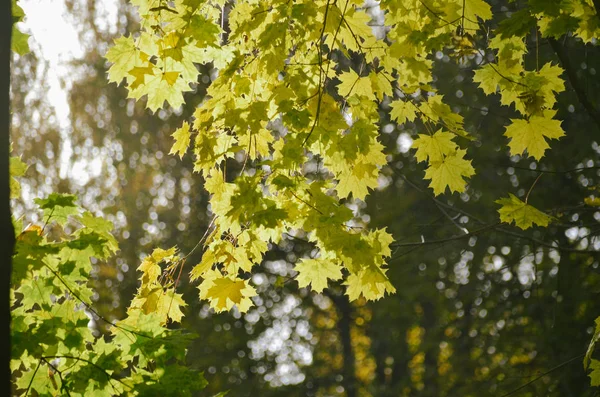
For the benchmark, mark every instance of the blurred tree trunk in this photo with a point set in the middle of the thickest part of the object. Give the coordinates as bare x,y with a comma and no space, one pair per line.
8,234
344,310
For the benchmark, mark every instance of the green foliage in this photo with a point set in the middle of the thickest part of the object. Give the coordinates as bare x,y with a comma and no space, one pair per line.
284,96
588,362
56,350
19,39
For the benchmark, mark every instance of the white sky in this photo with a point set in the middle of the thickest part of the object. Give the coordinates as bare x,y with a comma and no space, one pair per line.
55,39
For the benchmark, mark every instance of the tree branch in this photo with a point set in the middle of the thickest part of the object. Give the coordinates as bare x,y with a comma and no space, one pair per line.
542,375
8,233
572,76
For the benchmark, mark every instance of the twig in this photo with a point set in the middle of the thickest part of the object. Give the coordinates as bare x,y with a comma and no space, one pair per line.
541,376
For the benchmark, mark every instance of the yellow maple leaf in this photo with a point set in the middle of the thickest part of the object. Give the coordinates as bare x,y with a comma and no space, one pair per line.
402,111
434,147
166,304
352,83
206,263
370,282
488,77
381,84
225,292
182,140
530,135
316,272
449,173
256,144
150,265
124,56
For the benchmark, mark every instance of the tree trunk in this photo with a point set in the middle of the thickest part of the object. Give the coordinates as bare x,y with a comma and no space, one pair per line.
344,310
8,234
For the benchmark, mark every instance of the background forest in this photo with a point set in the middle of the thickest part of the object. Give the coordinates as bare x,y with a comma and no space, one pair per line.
474,316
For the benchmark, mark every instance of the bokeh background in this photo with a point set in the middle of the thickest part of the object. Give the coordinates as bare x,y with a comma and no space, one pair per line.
471,317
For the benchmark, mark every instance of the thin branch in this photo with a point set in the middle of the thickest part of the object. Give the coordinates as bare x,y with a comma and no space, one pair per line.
33,377
541,376
555,172
109,376
485,226
531,188
445,240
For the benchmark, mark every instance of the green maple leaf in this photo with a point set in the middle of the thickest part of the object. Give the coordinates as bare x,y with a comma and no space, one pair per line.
592,345
449,173
182,140
531,135
58,207
595,374
523,214
102,228
17,169
203,30
317,272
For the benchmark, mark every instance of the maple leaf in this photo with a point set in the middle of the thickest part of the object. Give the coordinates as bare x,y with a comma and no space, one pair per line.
592,345
488,78
371,283
381,83
224,292
124,56
595,374
531,135
139,74
17,169
169,305
523,214
161,87
449,172
352,83
473,9
206,263
316,272
434,147
182,140
402,111
58,207
358,176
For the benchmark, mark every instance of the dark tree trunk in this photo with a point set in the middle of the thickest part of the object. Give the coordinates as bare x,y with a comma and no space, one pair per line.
8,235
344,310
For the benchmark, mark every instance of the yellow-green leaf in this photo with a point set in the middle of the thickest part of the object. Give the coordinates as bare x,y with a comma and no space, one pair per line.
524,215
449,172
182,140
531,135
402,111
225,292
316,273
434,147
